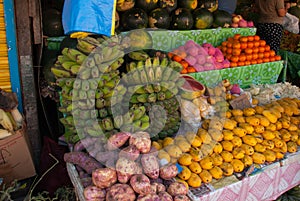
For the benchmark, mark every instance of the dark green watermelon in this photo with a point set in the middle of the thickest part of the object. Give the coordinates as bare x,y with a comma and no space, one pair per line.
222,18
135,18
210,5
203,18
182,19
169,5
146,5
159,18
190,4
52,23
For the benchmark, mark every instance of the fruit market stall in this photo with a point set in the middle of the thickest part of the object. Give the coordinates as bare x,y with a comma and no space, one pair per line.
177,114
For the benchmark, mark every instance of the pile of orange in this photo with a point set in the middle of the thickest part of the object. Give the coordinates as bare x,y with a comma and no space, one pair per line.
247,50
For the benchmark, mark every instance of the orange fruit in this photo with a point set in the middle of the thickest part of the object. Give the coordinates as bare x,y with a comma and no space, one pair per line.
233,64
242,57
243,45
236,36
243,38
267,47
266,59
256,44
260,55
247,63
229,50
277,57
261,49
241,63
249,57
255,50
267,54
223,49
228,56
254,56
236,52
256,38
262,42
248,51
184,71
191,70
250,38
259,61
224,43
272,58
234,59
230,39
229,44
250,44
236,45
272,53
253,62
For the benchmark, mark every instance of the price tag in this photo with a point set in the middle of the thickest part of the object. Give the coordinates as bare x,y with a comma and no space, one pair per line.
240,102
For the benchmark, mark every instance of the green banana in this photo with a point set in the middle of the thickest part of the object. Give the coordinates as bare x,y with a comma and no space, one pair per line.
152,98
75,69
112,83
120,89
89,62
102,113
140,65
68,64
69,82
91,94
150,74
82,95
175,66
100,103
115,65
145,118
138,55
99,94
131,66
138,113
87,45
155,62
74,55
107,123
141,90
93,84
149,88
168,94
164,62
167,73
145,125
143,76
65,90
148,63
95,72
128,117
118,121
60,73
136,125
63,58
77,84
156,87
61,81
136,77
161,96
127,128
85,85
93,132
142,98
85,74
134,99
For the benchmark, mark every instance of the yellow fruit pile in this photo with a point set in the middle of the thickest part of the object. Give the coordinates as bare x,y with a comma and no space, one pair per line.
224,145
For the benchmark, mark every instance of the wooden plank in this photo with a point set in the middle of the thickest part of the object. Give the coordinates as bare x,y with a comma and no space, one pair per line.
35,13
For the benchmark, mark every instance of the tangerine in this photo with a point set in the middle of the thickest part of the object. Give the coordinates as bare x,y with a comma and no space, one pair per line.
256,43
261,49
248,51
236,52
233,64
250,38
260,55
244,39
254,56
255,50
259,61
242,57
234,59
262,42
277,57
247,63
272,53
249,57
236,36
267,54
250,44
256,38
253,62
267,48
236,45
265,60
241,63
243,45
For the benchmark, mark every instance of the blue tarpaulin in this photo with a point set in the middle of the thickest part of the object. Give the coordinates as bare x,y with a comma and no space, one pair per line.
94,16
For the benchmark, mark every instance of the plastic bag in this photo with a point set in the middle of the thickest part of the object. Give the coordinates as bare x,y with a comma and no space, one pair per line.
291,23
93,16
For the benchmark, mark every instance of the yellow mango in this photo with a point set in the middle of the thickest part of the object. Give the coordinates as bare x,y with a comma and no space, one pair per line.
185,159
247,160
249,112
168,141
238,165
194,181
278,143
205,124
236,141
239,131
173,151
227,168
238,153
294,136
288,110
239,119
229,124
216,172
259,148
228,114
259,129
284,148
162,154
285,135
227,145
249,139
196,154
291,147
272,127
195,167
205,137
207,149
227,134
295,120
179,138
268,135
249,128
269,144
218,148
285,122
185,174
205,176
278,125
258,158
184,145
206,163
216,135
259,109
298,141
259,138
263,120
216,124
271,117
293,127
190,136
197,142
270,155
252,120
276,112
217,159
227,156
249,150
237,112
156,145
254,101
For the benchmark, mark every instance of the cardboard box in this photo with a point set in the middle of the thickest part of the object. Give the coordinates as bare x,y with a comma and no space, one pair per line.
16,161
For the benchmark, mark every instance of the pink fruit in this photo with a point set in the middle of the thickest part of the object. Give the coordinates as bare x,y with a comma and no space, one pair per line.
189,43
209,59
191,60
202,51
211,51
208,66
201,59
234,25
198,68
242,23
218,55
250,24
208,45
236,18
226,63
193,51
235,89
218,65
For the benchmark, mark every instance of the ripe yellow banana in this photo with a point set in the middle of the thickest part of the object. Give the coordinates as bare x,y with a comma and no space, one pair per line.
5,121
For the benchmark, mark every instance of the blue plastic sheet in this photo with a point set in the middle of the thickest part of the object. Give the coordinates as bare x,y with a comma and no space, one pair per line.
94,16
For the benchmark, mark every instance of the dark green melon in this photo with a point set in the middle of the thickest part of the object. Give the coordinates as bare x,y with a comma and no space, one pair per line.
146,5
52,23
203,18
138,39
159,18
182,19
221,18
169,5
135,18
125,5
211,5
190,4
